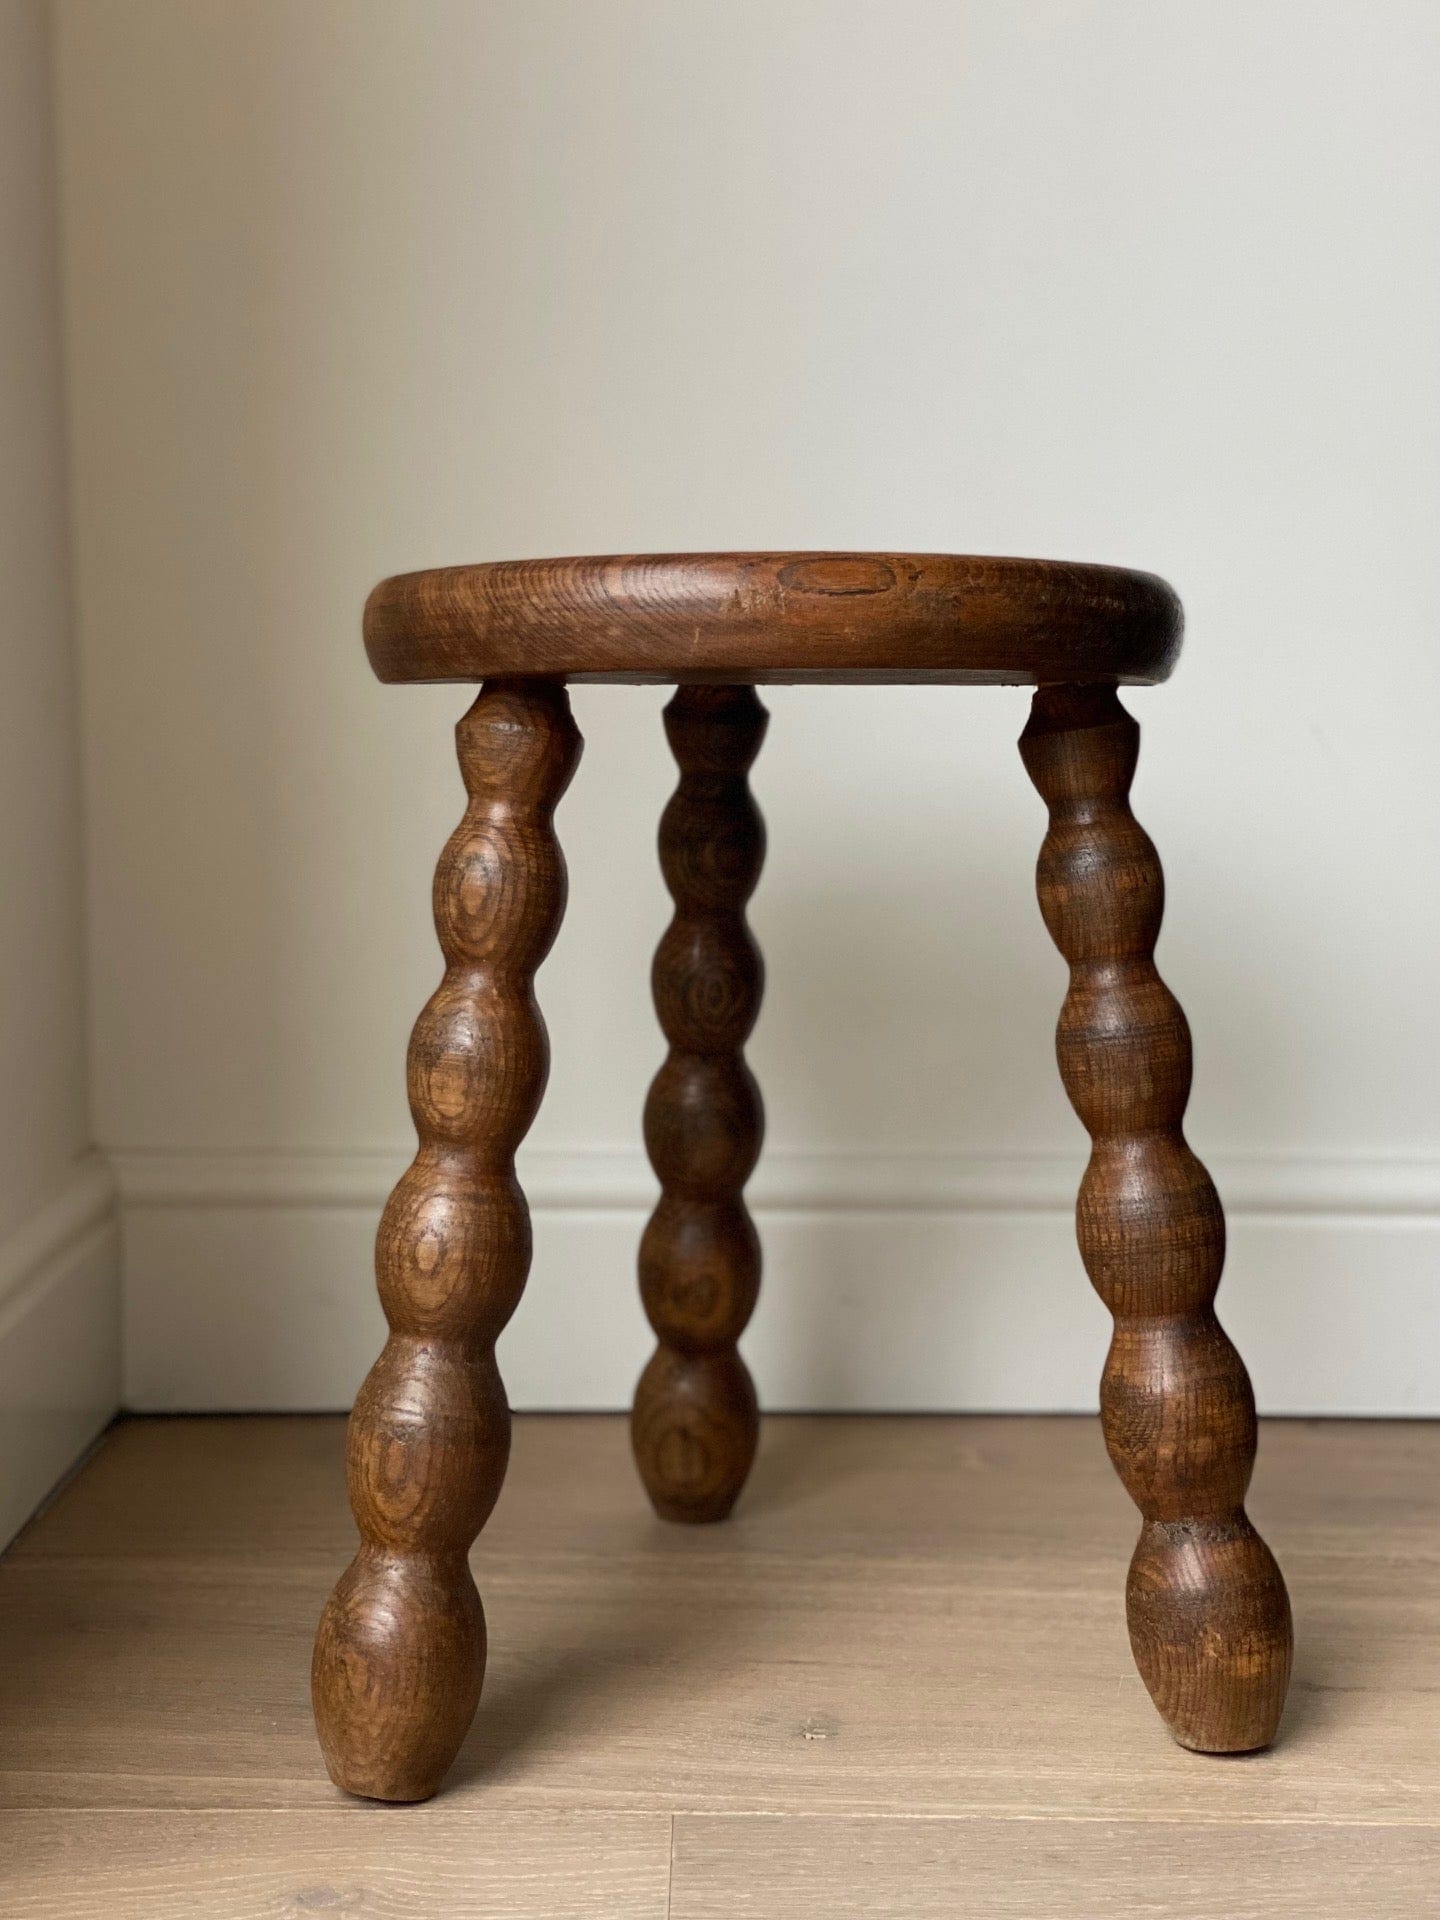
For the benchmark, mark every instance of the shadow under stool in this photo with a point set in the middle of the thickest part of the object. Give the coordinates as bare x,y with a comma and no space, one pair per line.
400,1652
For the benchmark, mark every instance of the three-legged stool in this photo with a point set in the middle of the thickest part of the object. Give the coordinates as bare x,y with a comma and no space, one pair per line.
401,1648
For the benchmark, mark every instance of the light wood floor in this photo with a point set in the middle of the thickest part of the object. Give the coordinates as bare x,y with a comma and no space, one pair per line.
897,1683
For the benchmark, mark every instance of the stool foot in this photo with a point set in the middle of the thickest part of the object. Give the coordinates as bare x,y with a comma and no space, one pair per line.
400,1653
695,1420
1208,1612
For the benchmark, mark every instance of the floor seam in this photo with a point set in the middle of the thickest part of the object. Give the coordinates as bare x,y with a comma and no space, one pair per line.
464,1814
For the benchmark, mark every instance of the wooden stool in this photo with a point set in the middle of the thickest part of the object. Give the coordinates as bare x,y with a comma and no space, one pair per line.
401,1647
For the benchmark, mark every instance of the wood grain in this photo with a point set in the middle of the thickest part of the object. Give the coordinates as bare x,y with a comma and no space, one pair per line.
357,1863
400,1654
903,1616
744,1868
775,617
695,1419
1208,1611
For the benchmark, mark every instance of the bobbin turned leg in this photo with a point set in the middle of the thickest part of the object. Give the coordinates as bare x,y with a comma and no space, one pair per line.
695,1421
1209,1617
400,1653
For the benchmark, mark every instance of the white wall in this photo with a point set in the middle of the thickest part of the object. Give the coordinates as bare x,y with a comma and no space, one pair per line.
355,287
59,1280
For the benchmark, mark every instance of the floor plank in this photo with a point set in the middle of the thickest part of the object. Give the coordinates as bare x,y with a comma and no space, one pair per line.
365,1863
905,1616
746,1868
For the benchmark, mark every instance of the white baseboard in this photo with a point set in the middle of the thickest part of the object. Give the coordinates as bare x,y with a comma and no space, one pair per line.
891,1282
592,1180
59,1339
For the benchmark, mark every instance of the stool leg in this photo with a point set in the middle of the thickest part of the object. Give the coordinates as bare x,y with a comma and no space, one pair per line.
695,1420
400,1653
1209,1617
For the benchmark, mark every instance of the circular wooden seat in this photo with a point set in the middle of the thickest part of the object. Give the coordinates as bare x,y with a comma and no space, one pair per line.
775,617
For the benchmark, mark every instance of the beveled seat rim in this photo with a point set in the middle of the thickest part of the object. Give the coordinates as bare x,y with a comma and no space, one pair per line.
764,617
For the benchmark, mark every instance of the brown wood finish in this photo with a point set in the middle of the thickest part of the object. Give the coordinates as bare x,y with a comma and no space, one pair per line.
695,1419
401,1650
1208,1612
773,617
400,1653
